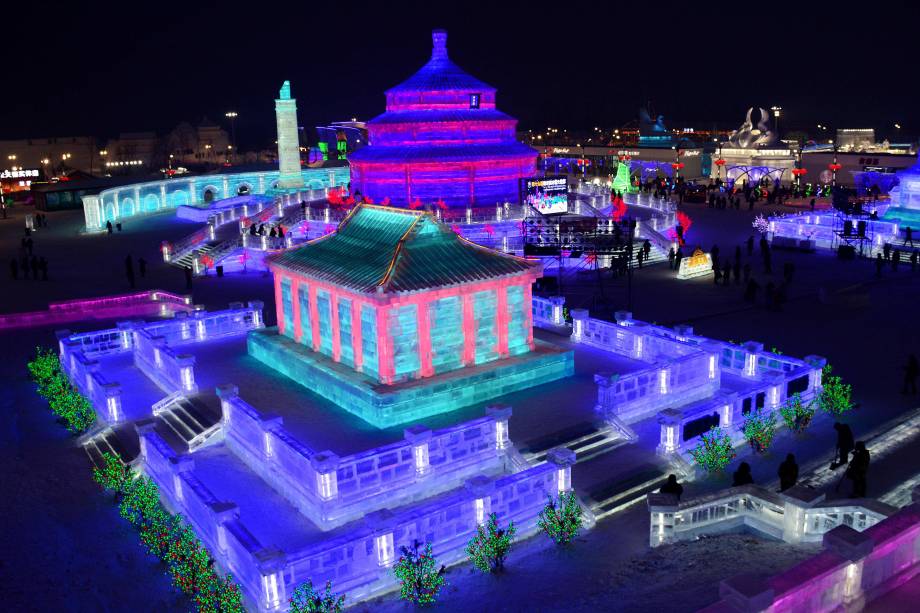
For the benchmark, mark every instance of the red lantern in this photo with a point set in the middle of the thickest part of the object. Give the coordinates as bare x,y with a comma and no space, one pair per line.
835,166
799,171
677,165
720,162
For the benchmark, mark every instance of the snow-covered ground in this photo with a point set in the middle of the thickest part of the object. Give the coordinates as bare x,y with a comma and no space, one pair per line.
67,549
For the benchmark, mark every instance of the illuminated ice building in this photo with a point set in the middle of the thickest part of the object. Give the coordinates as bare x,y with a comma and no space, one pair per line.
395,317
441,138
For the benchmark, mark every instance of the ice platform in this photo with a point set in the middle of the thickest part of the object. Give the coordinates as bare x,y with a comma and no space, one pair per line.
390,405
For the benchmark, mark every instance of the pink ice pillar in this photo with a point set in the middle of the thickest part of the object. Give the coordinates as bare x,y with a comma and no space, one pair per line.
336,341
424,337
314,318
385,360
279,307
356,345
295,304
469,330
501,321
528,311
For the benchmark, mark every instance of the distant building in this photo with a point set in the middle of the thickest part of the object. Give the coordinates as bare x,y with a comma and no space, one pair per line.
53,154
855,139
340,138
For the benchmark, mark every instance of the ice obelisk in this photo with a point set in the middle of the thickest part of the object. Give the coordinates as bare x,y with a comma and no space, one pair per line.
288,140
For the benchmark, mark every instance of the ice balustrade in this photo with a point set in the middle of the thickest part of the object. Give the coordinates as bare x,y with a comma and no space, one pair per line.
820,229
170,370
853,569
548,312
798,515
332,490
85,374
356,559
104,307
688,368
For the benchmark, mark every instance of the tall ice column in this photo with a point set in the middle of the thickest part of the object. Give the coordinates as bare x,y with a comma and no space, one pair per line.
288,140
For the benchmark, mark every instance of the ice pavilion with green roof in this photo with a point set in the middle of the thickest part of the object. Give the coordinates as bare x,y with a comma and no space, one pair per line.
395,317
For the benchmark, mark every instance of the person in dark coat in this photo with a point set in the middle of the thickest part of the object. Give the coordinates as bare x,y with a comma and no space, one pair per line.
142,267
188,277
742,476
788,473
858,469
844,444
108,226
911,371
671,486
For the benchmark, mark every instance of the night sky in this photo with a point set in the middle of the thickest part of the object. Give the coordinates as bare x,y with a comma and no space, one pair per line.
100,69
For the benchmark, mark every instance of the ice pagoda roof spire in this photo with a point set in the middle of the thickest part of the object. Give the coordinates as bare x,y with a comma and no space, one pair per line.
439,44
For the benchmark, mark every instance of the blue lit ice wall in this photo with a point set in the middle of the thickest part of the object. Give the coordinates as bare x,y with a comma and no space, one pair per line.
517,321
306,324
325,321
484,307
287,306
370,359
445,317
346,349
403,324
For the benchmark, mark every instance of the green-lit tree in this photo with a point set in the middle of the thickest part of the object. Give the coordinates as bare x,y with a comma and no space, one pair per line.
759,429
306,599
489,547
836,396
44,366
560,519
420,578
714,450
141,498
797,415
113,474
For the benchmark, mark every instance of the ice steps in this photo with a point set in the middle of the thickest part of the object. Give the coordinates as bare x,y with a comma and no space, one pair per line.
189,420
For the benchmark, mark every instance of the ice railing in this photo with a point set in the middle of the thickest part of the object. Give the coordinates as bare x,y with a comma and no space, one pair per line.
332,490
357,558
854,568
86,375
695,374
799,515
102,307
170,370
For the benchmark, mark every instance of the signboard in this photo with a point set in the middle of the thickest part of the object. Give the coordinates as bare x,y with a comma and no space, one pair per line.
697,265
548,195
20,173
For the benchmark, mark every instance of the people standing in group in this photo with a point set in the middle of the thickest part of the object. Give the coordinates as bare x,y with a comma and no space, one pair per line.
844,444
788,473
129,270
743,475
671,486
858,469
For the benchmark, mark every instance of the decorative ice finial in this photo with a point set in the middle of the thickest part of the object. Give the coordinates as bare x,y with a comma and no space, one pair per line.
285,93
438,44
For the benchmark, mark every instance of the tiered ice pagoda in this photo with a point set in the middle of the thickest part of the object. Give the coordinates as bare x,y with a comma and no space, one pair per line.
394,317
442,139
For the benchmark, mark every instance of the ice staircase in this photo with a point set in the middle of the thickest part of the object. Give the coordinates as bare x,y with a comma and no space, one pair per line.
186,420
587,440
625,492
187,259
106,439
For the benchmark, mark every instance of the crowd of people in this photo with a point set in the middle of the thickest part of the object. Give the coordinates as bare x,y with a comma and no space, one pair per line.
28,265
847,452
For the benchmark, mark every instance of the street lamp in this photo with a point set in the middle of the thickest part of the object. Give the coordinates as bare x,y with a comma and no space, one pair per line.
232,115
776,111
12,156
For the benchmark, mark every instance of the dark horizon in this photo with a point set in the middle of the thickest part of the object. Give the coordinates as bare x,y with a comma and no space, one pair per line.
118,69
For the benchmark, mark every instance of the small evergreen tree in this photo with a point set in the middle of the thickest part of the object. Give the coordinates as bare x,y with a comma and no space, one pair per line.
113,475
489,547
836,396
797,415
560,519
306,599
759,429
420,579
714,450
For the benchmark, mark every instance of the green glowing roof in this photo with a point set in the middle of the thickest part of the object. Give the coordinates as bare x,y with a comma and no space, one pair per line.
397,250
